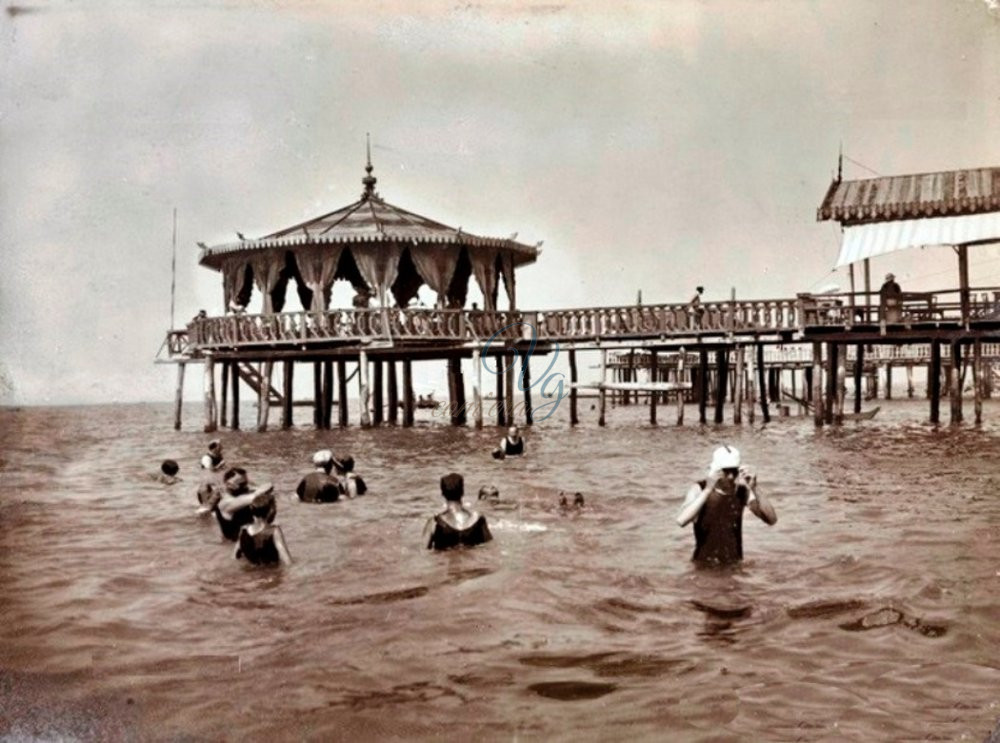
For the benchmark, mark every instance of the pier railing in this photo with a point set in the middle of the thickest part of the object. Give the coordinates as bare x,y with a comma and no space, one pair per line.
757,316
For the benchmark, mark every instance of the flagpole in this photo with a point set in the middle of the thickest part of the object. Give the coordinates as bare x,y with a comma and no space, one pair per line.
173,272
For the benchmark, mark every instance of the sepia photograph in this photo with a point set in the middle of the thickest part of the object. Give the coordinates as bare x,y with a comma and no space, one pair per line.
510,370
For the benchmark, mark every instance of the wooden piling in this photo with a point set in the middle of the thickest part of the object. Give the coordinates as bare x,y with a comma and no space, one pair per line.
364,389
722,375
500,402
602,394
888,380
702,386
830,403
909,381
934,381
477,388
752,386
288,400
573,419
224,397
977,379
816,390
377,388
326,412
841,382
680,393
764,411
179,396
738,387
529,416
509,390
956,387
393,393
859,368
235,422
264,405
210,418
454,387
407,393
343,413
653,368
318,406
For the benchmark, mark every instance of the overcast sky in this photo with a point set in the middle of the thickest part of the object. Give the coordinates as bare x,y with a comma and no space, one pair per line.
652,146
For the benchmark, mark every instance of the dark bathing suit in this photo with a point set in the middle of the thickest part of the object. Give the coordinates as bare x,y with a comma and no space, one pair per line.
718,528
231,528
511,449
259,548
446,536
318,487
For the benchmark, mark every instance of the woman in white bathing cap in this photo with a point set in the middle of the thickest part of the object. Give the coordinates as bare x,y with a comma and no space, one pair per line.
716,504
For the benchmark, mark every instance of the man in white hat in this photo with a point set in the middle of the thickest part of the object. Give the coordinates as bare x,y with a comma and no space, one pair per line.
319,486
716,504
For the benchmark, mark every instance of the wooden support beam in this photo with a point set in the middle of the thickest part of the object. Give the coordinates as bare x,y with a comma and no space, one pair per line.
680,393
977,379
327,411
722,375
819,414
343,413
859,367
602,394
477,388
318,394
956,387
653,368
264,408
235,423
509,390
702,386
830,401
888,380
210,417
498,392
378,407
408,403
764,410
573,419
393,393
179,396
841,382
909,380
224,397
529,416
288,369
454,386
364,389
934,381
738,385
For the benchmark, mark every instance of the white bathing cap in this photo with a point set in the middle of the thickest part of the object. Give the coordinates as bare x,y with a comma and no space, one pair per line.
725,457
322,457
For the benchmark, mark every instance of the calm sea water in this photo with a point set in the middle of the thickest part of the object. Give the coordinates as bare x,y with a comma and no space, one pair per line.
871,611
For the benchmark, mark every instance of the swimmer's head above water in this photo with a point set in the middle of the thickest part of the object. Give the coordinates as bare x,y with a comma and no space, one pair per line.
489,493
169,468
452,487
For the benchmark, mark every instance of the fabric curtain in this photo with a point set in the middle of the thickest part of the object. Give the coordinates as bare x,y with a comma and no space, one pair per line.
484,266
317,267
379,265
507,265
436,265
233,273
266,272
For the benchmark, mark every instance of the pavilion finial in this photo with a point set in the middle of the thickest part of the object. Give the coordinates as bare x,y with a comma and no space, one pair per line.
369,180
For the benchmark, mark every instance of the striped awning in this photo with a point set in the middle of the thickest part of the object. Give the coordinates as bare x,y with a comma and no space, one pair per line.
877,238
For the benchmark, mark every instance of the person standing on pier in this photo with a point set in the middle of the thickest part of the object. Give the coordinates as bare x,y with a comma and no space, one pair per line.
716,504
695,308
891,299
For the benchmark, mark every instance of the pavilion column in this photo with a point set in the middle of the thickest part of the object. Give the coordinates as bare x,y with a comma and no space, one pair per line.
963,280
179,396
407,393
393,393
343,410
287,401
210,418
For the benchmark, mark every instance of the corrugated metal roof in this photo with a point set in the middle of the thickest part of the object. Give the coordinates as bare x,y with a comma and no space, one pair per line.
877,238
368,220
917,196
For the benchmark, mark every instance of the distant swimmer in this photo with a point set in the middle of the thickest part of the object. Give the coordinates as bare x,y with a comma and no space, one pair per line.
511,445
319,486
261,542
716,504
456,525
489,493
231,505
351,484
566,504
168,473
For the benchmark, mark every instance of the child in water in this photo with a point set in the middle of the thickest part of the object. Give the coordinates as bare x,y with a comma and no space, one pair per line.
261,542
